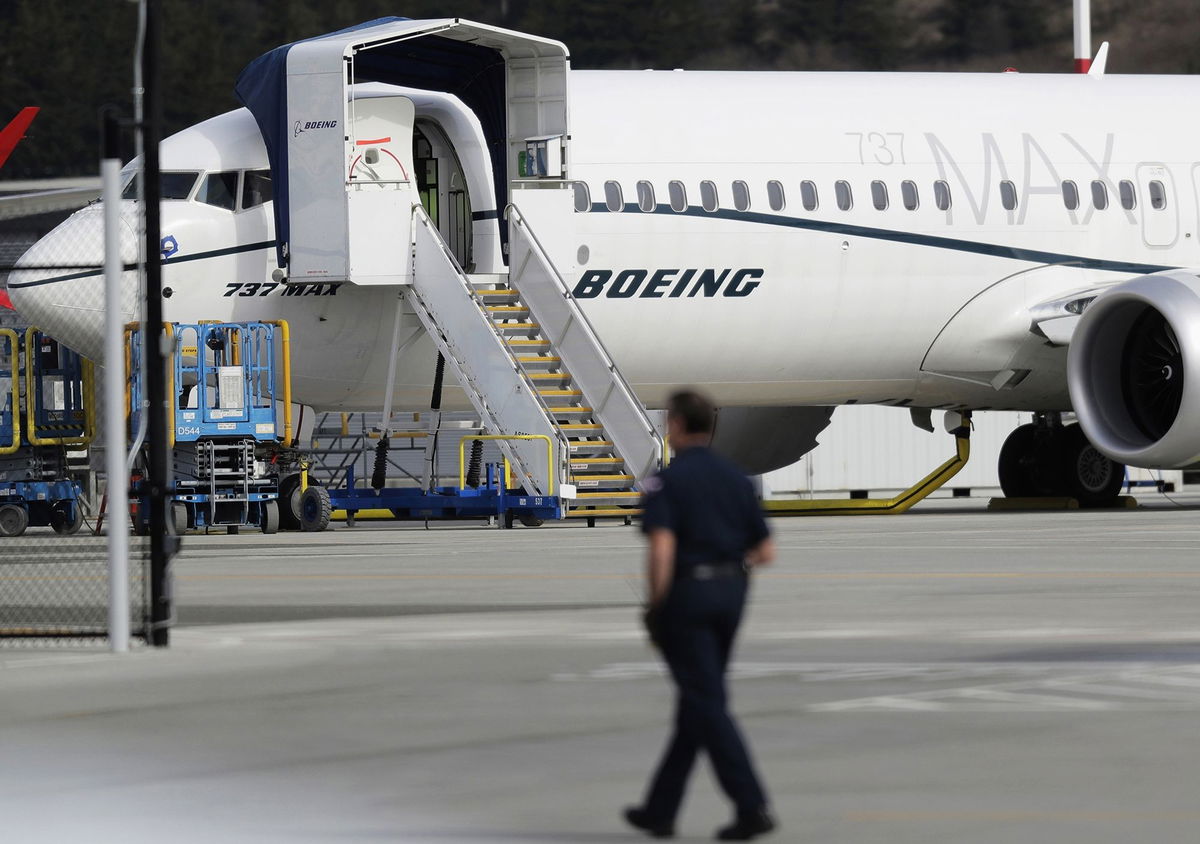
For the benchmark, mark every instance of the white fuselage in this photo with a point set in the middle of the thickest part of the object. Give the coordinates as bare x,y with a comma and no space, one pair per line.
924,306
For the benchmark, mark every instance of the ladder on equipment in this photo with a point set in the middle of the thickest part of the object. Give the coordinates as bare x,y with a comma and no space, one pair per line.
534,368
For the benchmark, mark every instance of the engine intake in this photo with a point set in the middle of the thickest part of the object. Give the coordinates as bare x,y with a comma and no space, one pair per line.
1129,371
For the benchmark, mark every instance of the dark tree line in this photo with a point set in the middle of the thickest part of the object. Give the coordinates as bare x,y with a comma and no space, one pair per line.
73,56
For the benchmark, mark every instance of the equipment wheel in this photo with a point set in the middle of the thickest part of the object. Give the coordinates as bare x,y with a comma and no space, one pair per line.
289,502
1088,475
13,520
66,517
1026,468
270,517
179,518
315,509
141,519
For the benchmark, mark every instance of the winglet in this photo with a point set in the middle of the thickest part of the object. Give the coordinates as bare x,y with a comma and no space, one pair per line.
12,134
1100,61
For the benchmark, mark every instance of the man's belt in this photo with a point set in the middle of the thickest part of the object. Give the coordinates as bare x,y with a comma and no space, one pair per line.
712,571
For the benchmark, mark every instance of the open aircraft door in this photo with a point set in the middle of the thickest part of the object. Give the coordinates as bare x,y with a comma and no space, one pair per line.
329,205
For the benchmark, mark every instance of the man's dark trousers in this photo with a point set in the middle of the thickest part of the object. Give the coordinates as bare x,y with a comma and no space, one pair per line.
699,620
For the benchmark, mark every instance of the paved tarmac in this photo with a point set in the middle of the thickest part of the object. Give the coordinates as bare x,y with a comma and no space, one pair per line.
949,675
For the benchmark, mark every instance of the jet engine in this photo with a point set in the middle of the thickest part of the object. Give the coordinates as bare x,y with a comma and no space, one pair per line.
761,439
1133,371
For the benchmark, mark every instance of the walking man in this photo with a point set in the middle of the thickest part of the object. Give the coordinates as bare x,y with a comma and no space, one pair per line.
705,532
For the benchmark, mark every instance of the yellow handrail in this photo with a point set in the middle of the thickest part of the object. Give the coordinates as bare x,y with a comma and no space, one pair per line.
129,329
14,344
89,412
462,454
285,334
172,399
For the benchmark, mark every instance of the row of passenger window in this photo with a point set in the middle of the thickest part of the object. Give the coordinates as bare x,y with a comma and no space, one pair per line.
220,190
910,197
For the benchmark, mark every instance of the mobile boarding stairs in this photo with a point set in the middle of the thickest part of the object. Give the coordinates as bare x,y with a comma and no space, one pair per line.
575,437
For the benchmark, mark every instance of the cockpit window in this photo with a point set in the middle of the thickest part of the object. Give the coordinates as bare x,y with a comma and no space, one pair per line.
177,185
219,190
256,189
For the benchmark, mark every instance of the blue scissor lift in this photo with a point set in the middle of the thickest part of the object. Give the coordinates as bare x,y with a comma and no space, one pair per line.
46,407
225,380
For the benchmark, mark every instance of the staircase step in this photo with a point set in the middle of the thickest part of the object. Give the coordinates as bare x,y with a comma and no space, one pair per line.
518,328
602,481
606,499
603,512
498,297
590,447
571,411
550,377
580,427
556,397
524,344
597,464
539,360
507,310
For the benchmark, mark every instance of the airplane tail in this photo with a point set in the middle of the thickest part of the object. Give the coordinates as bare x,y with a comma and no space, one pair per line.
12,134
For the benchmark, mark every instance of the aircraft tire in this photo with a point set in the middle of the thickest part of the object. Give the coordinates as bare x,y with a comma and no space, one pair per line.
315,509
1092,478
13,520
1025,467
289,502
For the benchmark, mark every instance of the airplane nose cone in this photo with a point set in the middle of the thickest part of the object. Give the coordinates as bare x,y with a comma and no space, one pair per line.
58,285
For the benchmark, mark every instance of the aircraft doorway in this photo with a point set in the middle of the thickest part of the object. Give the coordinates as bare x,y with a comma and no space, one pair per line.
442,187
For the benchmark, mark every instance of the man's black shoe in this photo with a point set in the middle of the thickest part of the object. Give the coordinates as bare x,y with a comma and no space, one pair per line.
641,819
747,827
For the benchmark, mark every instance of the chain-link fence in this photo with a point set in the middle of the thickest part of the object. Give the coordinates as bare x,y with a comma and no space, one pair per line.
54,578
55,590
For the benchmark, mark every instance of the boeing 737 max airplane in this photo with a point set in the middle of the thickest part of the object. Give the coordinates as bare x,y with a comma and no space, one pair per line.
789,242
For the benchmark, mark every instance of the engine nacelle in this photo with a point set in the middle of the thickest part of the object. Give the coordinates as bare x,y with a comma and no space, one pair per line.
1133,370
762,439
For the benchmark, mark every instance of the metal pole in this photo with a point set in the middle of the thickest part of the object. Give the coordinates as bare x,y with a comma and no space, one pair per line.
394,351
114,395
1083,36
161,544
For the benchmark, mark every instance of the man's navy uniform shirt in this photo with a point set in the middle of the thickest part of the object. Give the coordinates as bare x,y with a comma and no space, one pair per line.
709,505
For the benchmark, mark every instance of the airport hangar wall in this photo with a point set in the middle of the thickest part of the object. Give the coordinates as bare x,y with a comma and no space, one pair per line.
868,447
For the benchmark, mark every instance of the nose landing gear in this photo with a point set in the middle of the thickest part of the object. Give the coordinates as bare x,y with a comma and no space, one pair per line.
1047,459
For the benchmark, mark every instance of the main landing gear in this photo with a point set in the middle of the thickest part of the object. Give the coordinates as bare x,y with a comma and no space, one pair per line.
1047,459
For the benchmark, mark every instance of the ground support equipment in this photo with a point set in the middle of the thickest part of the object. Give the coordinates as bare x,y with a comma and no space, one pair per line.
492,497
229,382
958,425
46,406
